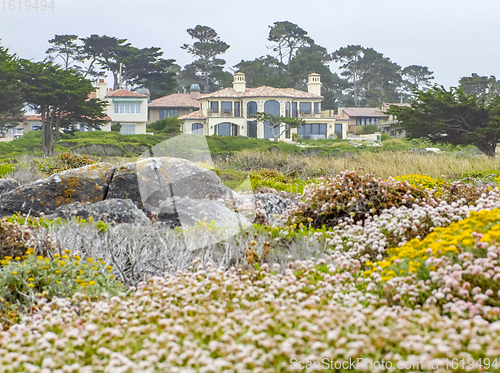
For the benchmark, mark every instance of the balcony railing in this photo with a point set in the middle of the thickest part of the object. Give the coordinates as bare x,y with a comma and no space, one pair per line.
309,115
224,113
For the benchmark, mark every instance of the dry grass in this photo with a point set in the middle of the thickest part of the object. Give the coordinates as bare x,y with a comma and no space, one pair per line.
383,164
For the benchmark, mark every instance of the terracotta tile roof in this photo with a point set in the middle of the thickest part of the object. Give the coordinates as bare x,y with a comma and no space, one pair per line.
263,91
175,100
38,118
124,93
33,118
194,115
92,95
364,112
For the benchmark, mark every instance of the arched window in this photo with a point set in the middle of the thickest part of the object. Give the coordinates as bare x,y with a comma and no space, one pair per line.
251,108
272,107
197,128
226,129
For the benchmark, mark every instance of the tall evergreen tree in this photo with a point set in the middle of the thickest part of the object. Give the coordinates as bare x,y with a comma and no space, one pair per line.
207,48
62,99
11,100
452,116
288,38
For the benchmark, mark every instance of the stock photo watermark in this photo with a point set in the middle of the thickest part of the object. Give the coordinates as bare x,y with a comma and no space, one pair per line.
387,365
27,5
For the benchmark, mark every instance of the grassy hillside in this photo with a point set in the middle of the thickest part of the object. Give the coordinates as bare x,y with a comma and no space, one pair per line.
100,144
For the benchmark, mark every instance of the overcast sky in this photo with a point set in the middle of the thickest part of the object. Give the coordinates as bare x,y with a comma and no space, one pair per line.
454,38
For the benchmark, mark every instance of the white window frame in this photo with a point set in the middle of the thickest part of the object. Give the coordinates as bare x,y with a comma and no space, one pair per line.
127,128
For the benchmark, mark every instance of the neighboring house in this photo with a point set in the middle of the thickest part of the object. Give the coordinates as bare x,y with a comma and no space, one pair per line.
361,116
175,105
229,112
386,127
128,108
11,133
30,122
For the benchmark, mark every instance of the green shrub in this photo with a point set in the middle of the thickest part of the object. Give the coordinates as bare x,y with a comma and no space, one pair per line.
366,130
233,178
117,127
169,126
6,169
63,162
25,279
277,180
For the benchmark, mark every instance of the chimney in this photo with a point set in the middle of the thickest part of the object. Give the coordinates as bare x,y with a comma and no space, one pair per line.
239,83
194,91
314,84
102,89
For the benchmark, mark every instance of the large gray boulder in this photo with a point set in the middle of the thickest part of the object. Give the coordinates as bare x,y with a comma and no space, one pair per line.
152,181
188,213
85,184
110,210
6,185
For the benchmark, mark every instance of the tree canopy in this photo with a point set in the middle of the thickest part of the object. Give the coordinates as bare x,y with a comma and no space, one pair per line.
288,38
452,116
61,97
11,100
131,67
207,48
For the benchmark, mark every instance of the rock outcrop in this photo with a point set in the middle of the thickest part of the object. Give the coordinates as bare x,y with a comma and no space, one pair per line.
109,210
85,184
6,185
176,190
180,211
152,181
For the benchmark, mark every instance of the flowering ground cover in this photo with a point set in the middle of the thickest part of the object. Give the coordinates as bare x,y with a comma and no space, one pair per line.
404,277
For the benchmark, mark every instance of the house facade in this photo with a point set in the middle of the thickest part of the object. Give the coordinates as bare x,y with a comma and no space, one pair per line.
175,105
361,116
127,108
229,112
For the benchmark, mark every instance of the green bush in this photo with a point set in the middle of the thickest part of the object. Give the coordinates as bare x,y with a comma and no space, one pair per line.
6,169
25,279
366,130
117,127
169,126
277,180
232,178
63,162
